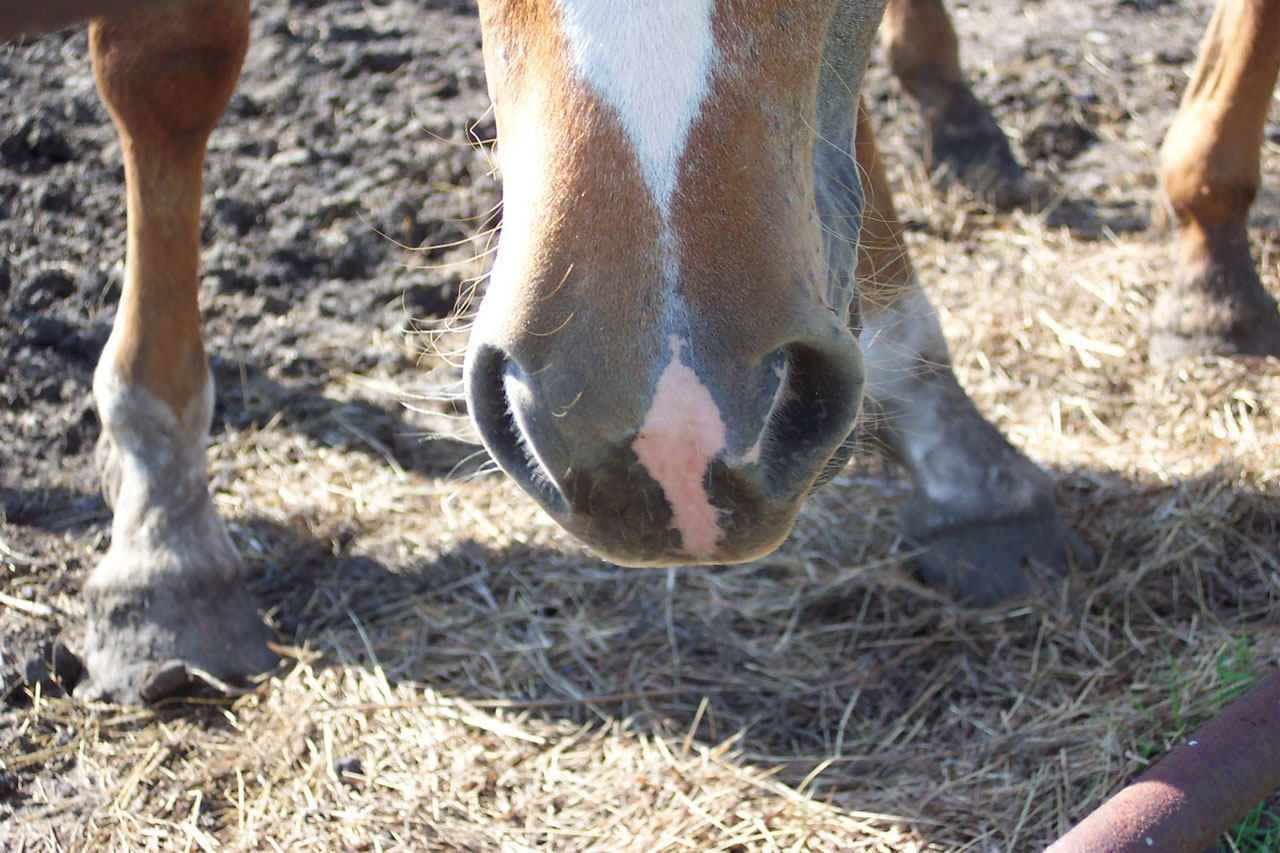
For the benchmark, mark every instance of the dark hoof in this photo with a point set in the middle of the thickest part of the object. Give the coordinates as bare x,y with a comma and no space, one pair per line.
143,645
967,147
983,563
1219,307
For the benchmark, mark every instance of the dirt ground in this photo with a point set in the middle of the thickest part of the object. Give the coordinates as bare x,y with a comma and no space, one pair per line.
461,675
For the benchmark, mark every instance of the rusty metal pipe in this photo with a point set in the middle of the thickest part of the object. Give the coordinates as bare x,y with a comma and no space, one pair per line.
1197,791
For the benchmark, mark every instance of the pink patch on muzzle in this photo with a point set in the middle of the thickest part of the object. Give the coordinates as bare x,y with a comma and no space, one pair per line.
682,432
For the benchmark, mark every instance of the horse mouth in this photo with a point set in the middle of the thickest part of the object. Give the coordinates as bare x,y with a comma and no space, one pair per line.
602,493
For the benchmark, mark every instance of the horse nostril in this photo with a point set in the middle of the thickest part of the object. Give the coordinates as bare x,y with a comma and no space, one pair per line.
814,415
487,373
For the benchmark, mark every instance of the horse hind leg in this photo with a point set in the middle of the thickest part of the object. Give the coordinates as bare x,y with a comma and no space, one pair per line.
963,141
170,593
1209,168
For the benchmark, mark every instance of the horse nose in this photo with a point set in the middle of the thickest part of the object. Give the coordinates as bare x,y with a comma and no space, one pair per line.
693,466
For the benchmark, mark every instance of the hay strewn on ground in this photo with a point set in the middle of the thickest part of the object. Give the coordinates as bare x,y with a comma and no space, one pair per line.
460,675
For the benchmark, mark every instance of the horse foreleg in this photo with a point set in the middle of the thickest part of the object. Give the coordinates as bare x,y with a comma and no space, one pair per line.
1209,168
984,511
170,591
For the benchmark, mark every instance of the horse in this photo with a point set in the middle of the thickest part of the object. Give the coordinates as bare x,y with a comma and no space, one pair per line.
699,293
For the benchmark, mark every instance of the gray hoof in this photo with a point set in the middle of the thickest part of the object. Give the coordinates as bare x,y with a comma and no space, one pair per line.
1218,306
1165,346
986,562
143,645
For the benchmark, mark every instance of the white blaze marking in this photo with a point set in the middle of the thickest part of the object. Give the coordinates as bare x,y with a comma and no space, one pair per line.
682,432
651,61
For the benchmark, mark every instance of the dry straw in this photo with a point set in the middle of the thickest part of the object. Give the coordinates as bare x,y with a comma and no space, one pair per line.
459,675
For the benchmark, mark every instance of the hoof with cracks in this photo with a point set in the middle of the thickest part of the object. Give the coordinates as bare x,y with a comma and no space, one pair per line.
986,562
143,645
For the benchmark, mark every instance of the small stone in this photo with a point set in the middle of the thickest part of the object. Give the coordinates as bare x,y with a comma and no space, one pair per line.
65,666
47,286
347,769
8,784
